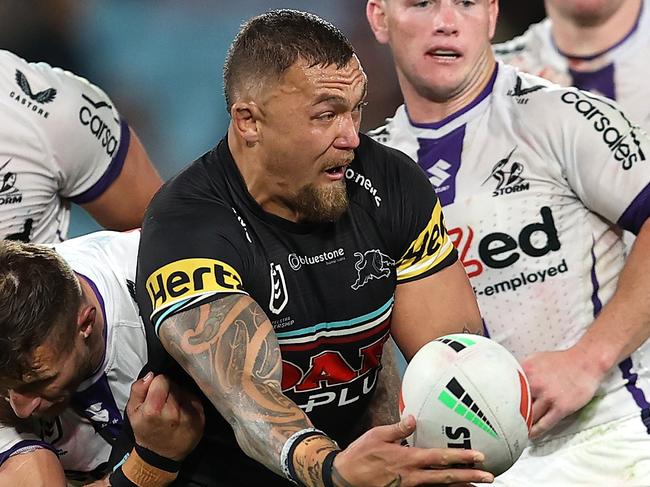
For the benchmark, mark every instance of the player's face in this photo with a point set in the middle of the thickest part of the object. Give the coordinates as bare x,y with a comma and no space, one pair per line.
57,374
440,47
585,11
309,130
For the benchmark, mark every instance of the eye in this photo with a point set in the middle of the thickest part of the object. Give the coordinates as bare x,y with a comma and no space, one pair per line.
424,3
467,3
326,117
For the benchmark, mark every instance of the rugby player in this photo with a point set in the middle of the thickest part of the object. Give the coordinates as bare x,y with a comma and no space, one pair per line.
596,45
537,182
272,270
72,344
62,141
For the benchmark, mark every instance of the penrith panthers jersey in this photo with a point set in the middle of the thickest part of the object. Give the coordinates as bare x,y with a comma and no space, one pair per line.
61,141
619,73
328,289
535,180
82,435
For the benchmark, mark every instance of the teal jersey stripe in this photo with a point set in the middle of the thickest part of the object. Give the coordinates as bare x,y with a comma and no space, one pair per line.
337,324
167,312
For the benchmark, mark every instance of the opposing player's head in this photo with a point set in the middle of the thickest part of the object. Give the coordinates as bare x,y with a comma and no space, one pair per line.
44,354
587,12
441,48
294,89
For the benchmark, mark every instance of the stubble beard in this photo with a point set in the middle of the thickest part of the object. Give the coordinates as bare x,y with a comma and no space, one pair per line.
322,204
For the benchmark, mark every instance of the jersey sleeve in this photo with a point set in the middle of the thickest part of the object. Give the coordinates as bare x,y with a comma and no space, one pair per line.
605,157
190,254
84,136
416,221
13,443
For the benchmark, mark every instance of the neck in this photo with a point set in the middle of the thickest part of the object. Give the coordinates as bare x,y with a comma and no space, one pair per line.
586,37
264,186
425,108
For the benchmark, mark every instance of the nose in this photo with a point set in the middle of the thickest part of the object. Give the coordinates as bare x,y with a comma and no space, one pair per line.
445,21
23,405
348,136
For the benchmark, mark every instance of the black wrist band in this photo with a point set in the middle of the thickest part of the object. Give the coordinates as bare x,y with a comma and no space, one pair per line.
118,479
328,465
156,460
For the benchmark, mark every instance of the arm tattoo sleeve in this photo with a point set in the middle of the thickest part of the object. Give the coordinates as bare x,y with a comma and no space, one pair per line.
229,348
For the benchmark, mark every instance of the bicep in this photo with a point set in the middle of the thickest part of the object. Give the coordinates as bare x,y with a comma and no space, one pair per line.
225,345
121,206
37,468
436,305
229,348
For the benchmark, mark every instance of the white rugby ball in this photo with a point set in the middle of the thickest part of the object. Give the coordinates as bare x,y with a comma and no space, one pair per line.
467,391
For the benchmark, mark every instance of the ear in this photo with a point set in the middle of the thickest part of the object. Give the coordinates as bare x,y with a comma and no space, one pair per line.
493,12
245,116
376,15
86,321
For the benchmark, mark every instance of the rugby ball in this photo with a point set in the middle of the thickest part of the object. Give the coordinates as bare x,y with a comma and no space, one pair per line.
467,391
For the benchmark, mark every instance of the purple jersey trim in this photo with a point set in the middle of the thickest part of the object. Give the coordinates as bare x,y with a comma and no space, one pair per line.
595,300
482,96
637,394
112,172
598,54
23,447
637,213
626,365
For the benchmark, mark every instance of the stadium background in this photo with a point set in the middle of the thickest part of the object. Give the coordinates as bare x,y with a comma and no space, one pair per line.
160,60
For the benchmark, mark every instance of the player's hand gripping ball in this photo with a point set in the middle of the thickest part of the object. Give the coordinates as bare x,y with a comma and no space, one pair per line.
467,391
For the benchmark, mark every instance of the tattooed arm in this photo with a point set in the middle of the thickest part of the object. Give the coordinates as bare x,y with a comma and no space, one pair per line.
229,348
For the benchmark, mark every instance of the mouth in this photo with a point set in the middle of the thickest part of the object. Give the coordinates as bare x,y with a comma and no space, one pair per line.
336,173
444,54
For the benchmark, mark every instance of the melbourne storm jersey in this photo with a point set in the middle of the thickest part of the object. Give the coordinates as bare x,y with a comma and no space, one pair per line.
83,434
328,289
534,180
619,73
61,140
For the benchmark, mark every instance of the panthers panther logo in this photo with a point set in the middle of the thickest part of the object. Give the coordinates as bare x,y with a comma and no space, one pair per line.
372,264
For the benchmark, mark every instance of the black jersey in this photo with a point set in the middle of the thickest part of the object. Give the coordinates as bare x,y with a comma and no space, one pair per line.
327,288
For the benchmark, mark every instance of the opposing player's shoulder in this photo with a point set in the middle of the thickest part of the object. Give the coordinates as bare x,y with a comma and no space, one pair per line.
99,245
40,84
556,116
539,101
525,49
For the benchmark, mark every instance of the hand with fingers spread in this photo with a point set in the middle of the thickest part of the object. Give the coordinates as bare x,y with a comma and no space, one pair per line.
158,408
378,459
560,384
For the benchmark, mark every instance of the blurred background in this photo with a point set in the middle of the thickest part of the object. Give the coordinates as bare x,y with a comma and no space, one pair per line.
160,60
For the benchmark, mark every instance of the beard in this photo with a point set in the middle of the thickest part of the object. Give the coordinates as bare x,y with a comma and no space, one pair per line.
321,205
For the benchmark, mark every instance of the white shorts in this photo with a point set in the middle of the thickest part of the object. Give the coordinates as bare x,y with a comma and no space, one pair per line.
614,454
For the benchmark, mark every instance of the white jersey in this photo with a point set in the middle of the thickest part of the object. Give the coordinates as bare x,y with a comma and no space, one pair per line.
533,178
107,260
620,73
61,140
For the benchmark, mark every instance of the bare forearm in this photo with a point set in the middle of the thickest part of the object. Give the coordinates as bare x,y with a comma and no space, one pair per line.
624,322
230,349
383,408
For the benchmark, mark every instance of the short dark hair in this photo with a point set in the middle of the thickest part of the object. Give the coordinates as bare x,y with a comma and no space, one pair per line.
269,44
39,299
